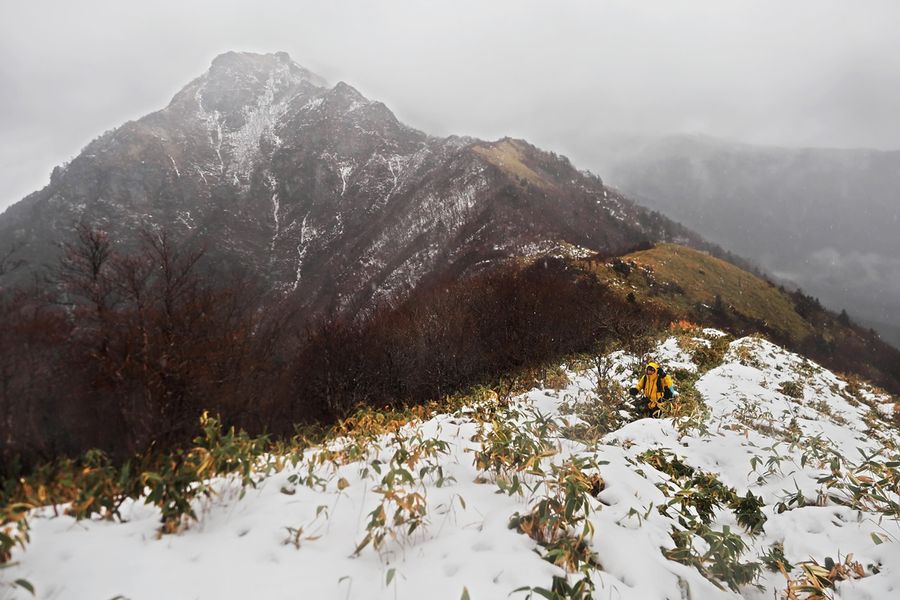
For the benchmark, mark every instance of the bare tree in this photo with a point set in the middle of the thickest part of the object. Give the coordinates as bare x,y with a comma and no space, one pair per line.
8,264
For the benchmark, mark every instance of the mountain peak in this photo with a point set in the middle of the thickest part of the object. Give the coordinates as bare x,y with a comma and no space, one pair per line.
260,66
236,81
345,89
323,192
347,96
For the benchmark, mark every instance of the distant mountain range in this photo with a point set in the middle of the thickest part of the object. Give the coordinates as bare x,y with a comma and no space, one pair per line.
827,220
321,191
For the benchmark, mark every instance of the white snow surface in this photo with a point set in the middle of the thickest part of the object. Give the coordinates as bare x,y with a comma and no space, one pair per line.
238,548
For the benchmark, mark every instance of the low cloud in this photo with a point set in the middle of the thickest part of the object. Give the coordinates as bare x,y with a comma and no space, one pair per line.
806,72
858,269
865,284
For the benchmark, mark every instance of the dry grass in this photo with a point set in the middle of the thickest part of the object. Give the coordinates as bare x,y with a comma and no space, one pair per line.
680,278
507,156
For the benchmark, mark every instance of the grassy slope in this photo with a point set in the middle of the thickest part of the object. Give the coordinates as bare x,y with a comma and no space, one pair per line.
687,282
682,278
507,155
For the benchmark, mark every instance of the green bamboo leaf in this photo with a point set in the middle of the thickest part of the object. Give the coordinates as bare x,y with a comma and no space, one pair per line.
25,584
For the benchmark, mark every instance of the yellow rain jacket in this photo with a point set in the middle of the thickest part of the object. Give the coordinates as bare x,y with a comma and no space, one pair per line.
652,387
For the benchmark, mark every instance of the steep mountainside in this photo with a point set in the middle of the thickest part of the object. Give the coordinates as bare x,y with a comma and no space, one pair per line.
321,191
824,219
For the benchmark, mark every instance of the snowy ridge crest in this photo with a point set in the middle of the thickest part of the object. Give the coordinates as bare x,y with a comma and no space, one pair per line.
452,503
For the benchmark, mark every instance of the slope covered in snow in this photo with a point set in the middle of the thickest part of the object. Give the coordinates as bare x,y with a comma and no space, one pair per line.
773,476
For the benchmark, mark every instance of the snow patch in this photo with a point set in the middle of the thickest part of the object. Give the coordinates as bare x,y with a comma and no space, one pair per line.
239,150
276,207
345,170
214,125
259,124
313,104
307,235
185,218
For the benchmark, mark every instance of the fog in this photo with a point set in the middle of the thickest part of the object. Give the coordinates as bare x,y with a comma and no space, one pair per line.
804,73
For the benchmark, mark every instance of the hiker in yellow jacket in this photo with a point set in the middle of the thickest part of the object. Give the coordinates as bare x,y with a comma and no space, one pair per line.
654,387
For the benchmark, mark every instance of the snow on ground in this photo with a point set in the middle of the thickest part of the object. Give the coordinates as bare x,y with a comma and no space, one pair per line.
775,424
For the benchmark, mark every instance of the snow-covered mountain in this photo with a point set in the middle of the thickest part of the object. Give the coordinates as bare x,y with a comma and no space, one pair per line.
319,190
775,478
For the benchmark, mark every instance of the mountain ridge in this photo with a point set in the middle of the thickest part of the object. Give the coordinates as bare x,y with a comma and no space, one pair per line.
329,203
702,288
322,192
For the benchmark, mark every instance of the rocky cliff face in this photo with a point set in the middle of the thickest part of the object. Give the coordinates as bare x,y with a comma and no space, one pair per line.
322,192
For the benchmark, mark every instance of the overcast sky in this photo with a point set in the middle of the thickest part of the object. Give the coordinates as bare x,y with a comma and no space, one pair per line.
560,74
